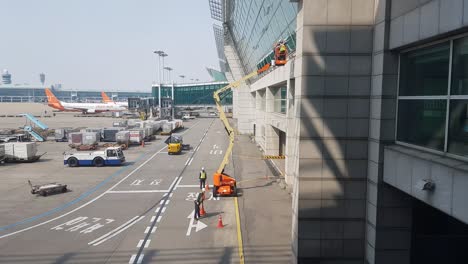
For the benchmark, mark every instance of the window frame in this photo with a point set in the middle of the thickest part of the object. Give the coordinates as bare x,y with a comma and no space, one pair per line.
446,97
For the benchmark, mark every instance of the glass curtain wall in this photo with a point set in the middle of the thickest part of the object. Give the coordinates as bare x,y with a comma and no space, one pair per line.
257,25
194,94
433,97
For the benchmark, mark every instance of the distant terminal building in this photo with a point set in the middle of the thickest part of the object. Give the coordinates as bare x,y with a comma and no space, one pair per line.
35,93
217,76
6,77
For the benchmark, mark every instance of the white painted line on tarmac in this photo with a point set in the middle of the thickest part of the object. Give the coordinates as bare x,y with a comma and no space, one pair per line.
190,162
161,202
157,209
170,195
178,182
114,230
173,183
141,243
188,186
139,191
152,219
187,161
152,230
167,202
163,210
140,259
118,232
159,219
198,148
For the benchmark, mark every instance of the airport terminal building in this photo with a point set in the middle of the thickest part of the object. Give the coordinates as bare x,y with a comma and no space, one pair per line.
371,112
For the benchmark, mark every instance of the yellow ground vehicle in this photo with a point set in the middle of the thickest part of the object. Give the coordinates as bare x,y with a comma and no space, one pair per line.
175,144
223,183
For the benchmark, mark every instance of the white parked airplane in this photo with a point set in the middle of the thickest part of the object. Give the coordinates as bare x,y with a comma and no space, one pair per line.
107,100
86,108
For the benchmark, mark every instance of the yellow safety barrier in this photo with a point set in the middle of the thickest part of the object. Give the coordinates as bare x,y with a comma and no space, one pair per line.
273,157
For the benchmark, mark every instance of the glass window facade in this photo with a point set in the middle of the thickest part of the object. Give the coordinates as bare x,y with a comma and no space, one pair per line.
433,97
280,100
425,72
257,25
194,94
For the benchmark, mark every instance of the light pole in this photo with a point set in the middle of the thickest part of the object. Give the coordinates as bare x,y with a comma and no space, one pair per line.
169,69
163,55
160,53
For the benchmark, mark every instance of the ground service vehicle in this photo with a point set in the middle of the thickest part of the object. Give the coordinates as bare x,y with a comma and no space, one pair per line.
187,117
224,184
47,189
106,157
175,144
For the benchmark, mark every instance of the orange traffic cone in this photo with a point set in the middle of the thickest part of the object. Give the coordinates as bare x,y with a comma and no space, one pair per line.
202,210
220,222
207,187
142,143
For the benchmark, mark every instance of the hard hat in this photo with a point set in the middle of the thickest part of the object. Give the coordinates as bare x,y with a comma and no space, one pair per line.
203,168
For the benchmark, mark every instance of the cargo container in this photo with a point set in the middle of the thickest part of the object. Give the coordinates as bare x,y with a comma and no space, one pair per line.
91,138
91,129
122,123
154,125
132,122
123,137
179,123
108,134
2,152
75,138
136,136
22,151
167,127
61,134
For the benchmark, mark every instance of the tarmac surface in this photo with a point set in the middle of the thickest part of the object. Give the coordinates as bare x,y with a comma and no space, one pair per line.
142,212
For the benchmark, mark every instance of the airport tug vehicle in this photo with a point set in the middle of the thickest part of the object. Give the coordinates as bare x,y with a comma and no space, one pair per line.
224,184
175,144
107,157
47,189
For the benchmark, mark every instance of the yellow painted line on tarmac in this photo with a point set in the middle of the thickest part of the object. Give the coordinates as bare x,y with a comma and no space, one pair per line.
239,233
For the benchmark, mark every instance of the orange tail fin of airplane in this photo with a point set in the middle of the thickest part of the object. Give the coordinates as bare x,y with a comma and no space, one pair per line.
106,98
52,100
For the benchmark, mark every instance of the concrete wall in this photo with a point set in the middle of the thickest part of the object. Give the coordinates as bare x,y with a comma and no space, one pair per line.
242,98
414,20
388,212
404,167
332,88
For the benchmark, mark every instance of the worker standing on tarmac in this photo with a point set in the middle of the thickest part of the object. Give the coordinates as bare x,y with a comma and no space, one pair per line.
197,210
202,178
199,204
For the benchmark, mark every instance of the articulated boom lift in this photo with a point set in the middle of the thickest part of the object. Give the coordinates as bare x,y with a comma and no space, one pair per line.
223,183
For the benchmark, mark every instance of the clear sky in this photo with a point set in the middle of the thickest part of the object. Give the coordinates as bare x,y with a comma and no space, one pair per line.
105,44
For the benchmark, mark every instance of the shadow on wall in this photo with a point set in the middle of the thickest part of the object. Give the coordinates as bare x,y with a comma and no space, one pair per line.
334,121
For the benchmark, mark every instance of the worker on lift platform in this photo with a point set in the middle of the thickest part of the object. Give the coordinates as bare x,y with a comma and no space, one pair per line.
280,53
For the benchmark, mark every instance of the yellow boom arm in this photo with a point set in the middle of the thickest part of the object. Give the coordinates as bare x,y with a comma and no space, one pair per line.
222,116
